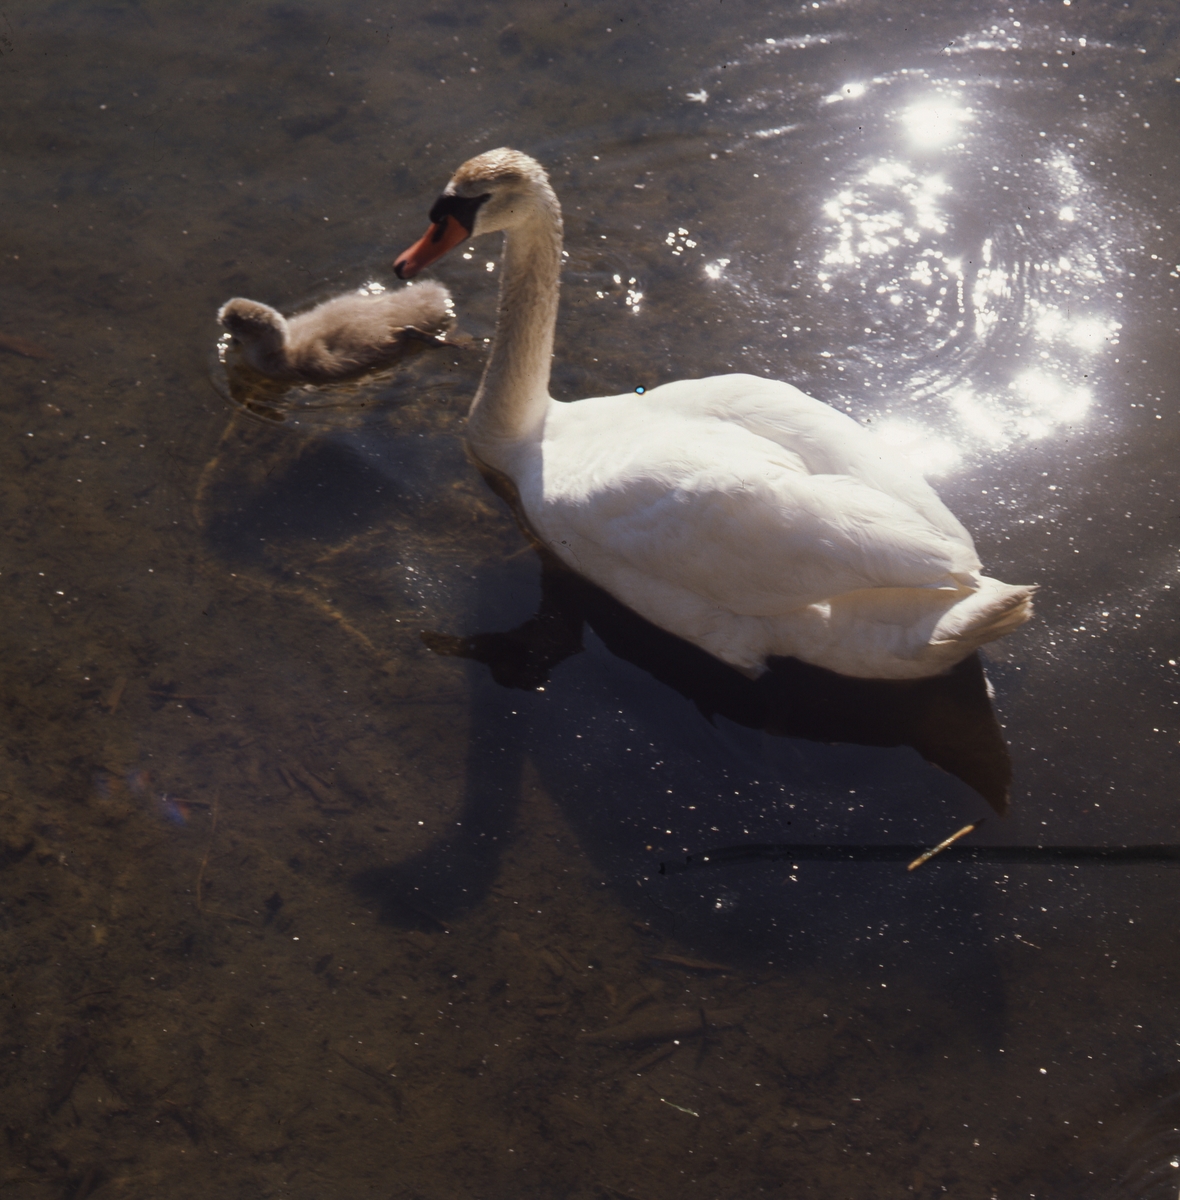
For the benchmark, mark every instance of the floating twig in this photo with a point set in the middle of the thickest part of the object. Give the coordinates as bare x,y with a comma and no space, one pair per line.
1025,942
679,1108
927,855
797,852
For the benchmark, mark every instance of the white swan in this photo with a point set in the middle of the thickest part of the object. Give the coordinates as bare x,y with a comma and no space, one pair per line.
339,338
735,512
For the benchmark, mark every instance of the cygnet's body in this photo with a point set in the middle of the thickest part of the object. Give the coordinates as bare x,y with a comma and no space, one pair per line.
341,337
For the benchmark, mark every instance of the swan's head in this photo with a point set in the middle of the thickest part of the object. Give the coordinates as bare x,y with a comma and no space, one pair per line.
495,190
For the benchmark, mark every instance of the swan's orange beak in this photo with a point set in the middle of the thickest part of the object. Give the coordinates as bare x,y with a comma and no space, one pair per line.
442,236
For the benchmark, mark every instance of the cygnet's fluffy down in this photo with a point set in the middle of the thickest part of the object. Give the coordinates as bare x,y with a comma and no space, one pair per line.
341,337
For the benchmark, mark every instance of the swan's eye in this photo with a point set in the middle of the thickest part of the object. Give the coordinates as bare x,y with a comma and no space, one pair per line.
462,208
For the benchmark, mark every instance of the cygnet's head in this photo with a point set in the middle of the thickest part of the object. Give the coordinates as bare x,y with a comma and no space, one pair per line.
259,330
253,324
495,190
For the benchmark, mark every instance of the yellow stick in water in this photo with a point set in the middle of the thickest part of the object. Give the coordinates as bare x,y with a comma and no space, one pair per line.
927,855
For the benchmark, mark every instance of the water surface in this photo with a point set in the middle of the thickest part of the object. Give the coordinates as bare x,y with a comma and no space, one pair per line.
296,905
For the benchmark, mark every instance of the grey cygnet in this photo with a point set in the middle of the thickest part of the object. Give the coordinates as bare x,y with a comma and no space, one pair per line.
341,337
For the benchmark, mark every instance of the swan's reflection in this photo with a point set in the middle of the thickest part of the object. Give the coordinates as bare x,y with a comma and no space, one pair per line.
948,719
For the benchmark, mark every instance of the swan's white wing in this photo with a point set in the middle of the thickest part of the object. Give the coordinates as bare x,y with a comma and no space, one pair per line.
827,441
713,508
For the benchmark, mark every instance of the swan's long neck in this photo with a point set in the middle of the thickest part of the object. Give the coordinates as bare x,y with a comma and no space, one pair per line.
513,396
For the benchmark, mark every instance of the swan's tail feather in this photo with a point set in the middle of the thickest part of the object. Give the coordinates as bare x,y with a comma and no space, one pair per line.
991,612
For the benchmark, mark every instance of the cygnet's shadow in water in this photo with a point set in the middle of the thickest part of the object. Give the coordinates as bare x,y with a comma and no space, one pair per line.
948,720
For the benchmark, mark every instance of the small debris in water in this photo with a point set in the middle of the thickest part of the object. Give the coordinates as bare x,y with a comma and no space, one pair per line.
679,1108
929,854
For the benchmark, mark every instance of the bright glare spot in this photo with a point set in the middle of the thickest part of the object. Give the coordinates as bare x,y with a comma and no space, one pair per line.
1038,404
714,270
1090,333
1049,403
896,236
934,122
1085,333
1050,324
978,417
888,172
372,288
870,225
931,454
1069,178
700,97
850,91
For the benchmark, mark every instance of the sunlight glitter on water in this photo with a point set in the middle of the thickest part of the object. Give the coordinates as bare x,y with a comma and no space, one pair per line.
929,453
892,233
935,121
1036,406
865,227
850,91
1087,333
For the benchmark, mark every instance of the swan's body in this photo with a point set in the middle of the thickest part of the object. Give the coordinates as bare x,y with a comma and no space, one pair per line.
735,512
340,337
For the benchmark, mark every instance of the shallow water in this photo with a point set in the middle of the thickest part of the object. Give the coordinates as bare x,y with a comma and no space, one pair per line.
294,905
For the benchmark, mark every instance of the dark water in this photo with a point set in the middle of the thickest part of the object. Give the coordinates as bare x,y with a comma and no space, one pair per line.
294,905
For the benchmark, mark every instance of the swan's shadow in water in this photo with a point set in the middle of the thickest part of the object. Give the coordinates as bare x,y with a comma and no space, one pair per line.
1143,1159
948,720
1116,1144
724,758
